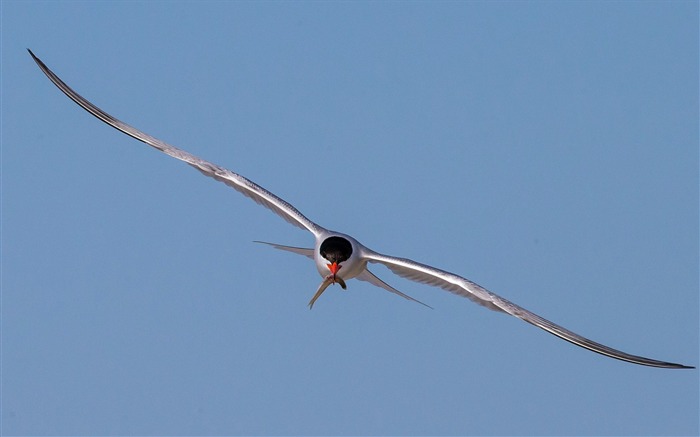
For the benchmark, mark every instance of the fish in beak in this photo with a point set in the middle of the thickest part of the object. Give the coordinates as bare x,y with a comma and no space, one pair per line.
330,279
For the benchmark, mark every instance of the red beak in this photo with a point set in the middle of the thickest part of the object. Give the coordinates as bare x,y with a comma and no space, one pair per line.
334,268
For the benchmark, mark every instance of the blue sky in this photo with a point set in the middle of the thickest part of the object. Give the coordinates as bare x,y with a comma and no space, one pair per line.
548,151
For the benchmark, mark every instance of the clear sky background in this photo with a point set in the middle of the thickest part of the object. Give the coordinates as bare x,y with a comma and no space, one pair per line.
548,151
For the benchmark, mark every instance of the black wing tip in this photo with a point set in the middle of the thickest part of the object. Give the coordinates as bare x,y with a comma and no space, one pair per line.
661,364
37,60
647,361
681,366
424,304
33,55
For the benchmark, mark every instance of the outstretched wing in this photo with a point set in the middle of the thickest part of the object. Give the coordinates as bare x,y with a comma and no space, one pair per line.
463,287
233,180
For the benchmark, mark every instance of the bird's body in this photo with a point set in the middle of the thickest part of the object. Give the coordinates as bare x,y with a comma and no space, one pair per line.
339,257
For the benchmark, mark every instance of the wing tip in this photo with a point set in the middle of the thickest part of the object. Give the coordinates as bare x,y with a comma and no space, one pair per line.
680,366
36,59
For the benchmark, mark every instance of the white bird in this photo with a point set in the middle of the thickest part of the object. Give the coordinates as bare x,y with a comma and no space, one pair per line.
340,257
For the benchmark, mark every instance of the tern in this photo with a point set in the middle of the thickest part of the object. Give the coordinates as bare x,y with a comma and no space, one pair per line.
340,257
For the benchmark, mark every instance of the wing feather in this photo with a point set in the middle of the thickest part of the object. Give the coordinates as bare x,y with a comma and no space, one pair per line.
309,253
370,277
460,286
239,183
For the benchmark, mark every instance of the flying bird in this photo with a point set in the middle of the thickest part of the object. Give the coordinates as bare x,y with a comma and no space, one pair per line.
340,257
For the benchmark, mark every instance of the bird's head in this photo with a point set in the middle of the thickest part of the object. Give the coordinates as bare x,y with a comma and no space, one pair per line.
335,250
